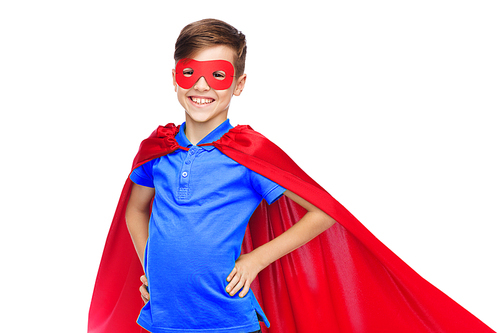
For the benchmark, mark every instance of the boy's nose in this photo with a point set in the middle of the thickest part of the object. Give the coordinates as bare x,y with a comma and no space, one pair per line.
201,84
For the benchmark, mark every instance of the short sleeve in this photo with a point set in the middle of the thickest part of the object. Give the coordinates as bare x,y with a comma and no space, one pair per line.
268,189
143,175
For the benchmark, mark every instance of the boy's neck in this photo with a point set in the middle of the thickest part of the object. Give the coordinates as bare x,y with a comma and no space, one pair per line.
196,131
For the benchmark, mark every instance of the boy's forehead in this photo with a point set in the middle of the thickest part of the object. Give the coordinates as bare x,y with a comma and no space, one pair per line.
218,52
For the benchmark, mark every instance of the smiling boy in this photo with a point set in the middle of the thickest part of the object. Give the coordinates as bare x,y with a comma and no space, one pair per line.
202,203
188,202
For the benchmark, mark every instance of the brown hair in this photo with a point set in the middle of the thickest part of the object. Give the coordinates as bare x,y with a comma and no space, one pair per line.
211,32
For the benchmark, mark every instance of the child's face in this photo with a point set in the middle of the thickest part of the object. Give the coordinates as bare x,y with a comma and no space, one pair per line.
203,103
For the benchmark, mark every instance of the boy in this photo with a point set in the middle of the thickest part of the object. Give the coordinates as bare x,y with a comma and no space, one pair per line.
206,178
203,201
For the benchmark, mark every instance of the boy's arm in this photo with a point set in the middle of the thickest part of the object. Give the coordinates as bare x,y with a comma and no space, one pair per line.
137,216
314,222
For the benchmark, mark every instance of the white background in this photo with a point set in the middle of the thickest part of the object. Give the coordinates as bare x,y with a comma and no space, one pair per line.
391,105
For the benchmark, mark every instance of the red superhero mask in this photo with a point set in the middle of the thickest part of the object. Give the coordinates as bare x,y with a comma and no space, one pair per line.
218,73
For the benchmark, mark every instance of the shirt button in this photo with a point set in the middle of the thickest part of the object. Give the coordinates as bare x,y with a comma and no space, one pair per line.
184,174
188,162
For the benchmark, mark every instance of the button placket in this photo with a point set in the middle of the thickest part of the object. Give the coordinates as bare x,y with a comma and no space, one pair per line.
183,192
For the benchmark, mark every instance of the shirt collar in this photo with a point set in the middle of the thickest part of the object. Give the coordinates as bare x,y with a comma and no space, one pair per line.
215,135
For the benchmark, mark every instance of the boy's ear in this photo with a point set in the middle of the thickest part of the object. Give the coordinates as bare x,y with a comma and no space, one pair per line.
240,84
173,78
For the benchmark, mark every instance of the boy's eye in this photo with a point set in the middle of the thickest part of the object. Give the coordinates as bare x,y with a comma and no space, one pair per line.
187,72
219,75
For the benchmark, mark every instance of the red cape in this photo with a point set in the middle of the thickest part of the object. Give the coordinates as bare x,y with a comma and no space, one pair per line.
344,280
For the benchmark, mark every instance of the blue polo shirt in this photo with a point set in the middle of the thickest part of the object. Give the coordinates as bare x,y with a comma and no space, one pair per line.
203,201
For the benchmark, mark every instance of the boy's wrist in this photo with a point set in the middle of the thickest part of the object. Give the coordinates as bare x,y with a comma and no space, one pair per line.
260,257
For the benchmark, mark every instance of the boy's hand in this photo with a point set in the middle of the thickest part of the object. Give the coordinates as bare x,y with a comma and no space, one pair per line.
144,289
244,272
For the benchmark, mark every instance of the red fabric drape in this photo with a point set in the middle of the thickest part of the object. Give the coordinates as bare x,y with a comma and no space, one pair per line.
345,280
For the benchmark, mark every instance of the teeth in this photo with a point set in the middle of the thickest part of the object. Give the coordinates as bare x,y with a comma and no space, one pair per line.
201,100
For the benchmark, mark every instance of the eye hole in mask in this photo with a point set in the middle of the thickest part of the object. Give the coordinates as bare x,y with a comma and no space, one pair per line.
219,74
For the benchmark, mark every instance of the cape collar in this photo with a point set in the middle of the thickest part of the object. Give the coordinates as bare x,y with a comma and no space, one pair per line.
166,137
206,142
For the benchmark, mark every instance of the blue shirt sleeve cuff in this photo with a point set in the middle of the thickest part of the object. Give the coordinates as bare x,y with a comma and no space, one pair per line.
274,194
141,181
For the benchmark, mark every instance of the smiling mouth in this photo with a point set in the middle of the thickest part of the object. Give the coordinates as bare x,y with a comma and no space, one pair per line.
201,101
